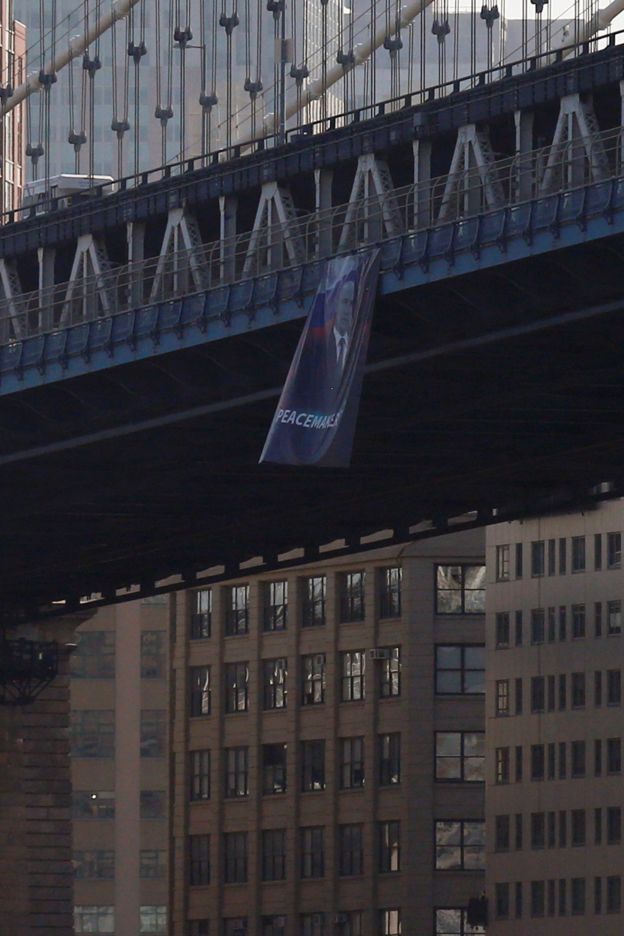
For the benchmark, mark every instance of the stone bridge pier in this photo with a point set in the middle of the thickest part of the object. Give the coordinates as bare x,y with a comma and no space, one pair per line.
36,882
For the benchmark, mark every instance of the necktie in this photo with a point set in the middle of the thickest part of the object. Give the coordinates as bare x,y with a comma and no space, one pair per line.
341,352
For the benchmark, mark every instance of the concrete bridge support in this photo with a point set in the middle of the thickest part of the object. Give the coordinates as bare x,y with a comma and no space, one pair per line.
36,896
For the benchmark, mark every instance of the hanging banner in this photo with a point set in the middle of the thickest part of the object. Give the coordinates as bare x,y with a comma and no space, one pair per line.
314,422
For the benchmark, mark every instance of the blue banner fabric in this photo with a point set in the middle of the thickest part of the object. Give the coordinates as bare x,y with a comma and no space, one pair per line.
314,423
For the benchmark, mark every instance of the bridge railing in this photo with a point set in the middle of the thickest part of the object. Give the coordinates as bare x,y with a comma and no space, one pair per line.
362,222
420,96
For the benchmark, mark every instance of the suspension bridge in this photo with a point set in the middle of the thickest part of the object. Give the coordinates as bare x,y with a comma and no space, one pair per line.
147,326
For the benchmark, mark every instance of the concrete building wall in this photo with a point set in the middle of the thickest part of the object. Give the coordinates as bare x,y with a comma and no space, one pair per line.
554,724
334,903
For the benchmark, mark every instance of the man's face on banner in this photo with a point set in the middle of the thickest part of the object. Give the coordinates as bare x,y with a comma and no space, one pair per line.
344,308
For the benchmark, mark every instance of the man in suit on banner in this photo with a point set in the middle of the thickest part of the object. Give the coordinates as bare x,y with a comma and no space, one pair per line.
314,423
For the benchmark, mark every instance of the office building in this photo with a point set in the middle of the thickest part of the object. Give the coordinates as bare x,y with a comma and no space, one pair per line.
120,770
12,72
554,724
328,747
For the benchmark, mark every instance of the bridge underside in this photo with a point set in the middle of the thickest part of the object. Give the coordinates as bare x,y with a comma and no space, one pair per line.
495,390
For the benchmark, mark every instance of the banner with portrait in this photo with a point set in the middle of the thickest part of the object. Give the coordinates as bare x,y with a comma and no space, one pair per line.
314,423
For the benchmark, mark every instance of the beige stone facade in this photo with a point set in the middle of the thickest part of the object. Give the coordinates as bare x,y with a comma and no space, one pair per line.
120,770
327,733
554,725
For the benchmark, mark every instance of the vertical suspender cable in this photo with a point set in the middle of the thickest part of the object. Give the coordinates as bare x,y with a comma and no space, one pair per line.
120,124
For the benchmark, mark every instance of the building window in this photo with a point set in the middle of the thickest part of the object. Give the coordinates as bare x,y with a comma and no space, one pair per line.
274,768
598,619
502,833
274,690
92,733
350,850
614,825
614,894
235,858
312,766
502,629
236,687
537,558
235,926
577,827
313,679
312,852
578,758
519,763
152,863
577,687
502,563
153,920
460,589
153,733
578,621
390,673
275,606
314,599
351,763
94,865
200,775
537,898
460,669
552,620
349,924
274,855
390,592
312,924
153,655
200,693
390,922
519,561
352,596
577,896
502,901
614,755
237,610
563,626
201,614
537,762
389,748
552,552
94,919
199,859
460,845
597,551
460,756
94,656
614,687
273,925
501,765
537,626
87,804
454,922
518,628
578,553
352,675
153,804
199,927
502,697
389,844
236,772
614,550
538,697
614,617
